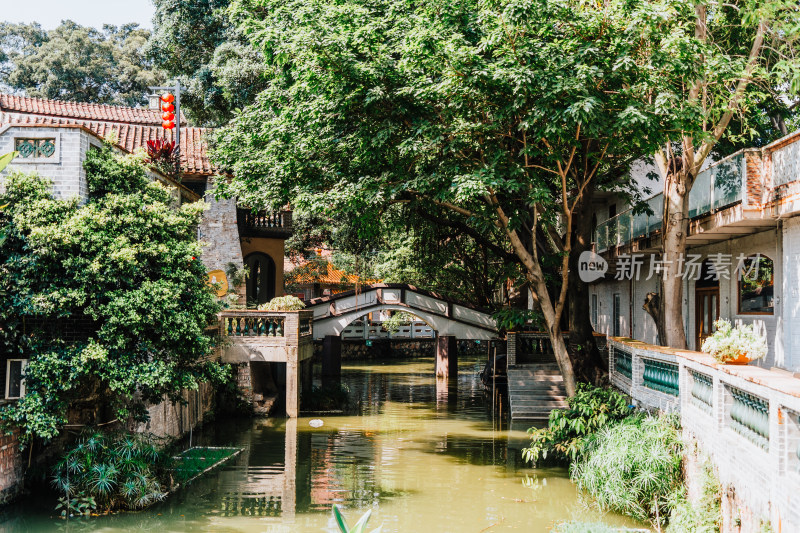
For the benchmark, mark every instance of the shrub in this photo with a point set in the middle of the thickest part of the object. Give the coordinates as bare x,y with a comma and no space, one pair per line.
703,515
111,471
589,410
283,303
633,467
124,266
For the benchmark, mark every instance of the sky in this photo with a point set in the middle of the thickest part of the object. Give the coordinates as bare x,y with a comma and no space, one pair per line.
95,13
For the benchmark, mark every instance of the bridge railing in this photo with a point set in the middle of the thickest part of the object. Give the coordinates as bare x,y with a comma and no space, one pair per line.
375,330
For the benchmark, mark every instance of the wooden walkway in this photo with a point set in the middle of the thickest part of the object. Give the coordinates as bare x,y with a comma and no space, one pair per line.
534,390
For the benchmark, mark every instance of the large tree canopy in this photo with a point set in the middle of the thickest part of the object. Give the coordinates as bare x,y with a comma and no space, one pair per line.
500,113
77,63
194,41
107,300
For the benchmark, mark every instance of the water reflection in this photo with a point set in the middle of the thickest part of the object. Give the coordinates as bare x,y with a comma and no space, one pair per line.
424,455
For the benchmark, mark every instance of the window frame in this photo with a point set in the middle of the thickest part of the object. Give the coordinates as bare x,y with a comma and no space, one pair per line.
22,390
739,273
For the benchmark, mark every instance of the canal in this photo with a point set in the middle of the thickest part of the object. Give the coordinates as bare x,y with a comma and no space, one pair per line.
423,458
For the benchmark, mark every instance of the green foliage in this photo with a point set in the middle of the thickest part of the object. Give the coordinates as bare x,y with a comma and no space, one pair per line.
283,303
398,318
119,175
632,467
194,41
511,319
110,471
73,62
703,515
81,505
361,525
121,271
590,410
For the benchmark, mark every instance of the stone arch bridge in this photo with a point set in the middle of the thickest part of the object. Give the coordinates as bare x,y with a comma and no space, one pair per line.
332,314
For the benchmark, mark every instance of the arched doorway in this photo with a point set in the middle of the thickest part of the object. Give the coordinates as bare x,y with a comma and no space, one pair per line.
706,298
260,284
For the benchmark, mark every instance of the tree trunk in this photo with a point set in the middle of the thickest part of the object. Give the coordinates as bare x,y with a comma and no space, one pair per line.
587,362
542,296
676,227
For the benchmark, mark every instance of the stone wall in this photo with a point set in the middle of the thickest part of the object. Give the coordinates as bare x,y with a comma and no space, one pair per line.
220,233
12,467
176,419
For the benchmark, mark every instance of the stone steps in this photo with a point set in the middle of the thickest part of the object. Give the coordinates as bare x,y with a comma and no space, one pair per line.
535,390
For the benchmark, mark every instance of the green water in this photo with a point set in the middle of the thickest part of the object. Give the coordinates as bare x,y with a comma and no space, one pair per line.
424,458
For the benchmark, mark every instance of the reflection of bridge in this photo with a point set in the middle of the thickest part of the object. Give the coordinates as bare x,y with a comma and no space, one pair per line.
332,314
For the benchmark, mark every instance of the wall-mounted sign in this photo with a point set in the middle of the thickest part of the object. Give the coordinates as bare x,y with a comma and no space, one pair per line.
369,343
219,281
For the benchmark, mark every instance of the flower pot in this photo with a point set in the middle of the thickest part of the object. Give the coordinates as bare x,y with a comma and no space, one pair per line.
741,359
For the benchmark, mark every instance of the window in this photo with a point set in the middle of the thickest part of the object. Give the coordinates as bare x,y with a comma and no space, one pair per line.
617,315
32,148
15,380
594,311
756,290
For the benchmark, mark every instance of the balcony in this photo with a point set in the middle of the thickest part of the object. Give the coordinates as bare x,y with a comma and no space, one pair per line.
720,186
264,224
274,336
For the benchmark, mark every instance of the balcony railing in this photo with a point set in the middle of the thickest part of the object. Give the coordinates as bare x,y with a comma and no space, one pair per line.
718,186
264,223
730,412
273,327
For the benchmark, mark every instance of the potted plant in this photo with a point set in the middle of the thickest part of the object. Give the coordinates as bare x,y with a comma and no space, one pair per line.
735,345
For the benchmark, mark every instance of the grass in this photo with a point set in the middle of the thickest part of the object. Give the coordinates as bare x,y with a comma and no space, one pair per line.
195,461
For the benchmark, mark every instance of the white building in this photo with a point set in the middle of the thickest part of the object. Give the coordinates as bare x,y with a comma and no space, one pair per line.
744,226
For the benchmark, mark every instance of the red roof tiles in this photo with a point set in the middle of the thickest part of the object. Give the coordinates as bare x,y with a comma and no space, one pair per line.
129,127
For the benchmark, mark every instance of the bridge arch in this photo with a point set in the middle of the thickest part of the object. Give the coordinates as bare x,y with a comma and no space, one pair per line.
332,314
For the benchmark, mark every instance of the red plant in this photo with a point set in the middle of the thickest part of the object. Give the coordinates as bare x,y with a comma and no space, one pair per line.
160,150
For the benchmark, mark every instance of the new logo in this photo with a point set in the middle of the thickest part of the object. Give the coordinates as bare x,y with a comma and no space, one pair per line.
591,266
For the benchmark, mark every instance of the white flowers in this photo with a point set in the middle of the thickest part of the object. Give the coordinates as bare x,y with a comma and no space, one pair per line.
728,342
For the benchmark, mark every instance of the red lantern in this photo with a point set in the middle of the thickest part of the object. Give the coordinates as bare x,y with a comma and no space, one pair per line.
167,107
168,98
168,124
167,116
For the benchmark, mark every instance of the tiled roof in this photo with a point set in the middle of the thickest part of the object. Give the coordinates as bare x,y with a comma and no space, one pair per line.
131,130
324,273
81,110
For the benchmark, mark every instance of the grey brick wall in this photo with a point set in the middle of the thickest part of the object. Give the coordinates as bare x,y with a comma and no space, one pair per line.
220,233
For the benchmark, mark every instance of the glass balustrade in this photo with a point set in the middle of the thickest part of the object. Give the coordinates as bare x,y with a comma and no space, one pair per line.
716,187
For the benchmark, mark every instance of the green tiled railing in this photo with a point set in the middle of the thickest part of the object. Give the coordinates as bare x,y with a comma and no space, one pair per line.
662,377
749,416
702,391
623,363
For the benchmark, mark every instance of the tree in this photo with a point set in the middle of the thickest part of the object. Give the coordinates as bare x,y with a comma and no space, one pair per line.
194,41
107,299
730,55
78,63
500,113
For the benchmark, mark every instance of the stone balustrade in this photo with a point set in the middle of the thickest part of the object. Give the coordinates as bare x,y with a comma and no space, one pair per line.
745,418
